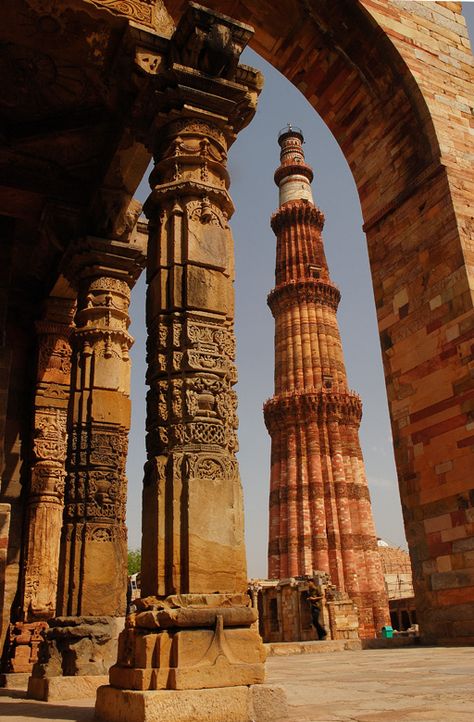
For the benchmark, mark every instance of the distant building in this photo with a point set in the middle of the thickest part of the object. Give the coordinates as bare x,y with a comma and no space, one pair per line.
397,573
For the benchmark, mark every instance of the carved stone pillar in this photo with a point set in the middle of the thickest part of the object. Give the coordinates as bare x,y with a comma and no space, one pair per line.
191,422
46,497
193,626
45,502
94,543
93,560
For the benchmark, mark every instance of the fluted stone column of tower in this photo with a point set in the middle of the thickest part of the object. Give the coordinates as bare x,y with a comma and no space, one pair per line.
320,510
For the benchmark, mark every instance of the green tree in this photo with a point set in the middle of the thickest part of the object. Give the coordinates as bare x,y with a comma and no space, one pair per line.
134,558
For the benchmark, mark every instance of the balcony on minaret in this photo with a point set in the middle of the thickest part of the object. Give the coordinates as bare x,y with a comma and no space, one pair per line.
293,176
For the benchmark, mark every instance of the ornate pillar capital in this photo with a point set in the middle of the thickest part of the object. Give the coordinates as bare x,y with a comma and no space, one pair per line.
200,77
91,257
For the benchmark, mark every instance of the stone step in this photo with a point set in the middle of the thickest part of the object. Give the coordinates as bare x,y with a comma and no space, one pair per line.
283,649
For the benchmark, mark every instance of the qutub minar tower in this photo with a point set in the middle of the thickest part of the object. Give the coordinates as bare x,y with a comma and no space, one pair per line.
320,510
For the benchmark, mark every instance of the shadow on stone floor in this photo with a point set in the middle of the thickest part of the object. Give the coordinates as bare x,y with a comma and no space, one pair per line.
16,693
30,710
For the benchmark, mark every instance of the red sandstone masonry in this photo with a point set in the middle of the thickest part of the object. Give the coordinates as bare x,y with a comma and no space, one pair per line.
318,485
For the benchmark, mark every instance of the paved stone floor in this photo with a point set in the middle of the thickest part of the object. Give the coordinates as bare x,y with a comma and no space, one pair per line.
413,684
396,685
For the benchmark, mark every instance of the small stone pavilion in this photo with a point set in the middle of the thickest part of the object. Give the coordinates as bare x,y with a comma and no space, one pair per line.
284,612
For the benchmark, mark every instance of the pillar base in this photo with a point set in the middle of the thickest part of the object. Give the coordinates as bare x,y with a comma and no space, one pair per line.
78,646
257,703
55,689
14,680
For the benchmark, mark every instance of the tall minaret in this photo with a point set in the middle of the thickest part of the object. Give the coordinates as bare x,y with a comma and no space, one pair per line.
320,511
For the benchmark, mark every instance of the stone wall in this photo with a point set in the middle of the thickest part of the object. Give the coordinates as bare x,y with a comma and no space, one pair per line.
397,572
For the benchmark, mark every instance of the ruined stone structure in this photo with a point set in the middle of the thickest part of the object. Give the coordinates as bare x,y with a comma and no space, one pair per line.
284,613
90,89
320,511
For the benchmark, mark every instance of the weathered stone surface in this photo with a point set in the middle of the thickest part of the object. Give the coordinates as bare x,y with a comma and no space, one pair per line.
14,680
193,629
93,575
260,703
45,500
78,646
56,689
195,547
23,645
195,617
190,658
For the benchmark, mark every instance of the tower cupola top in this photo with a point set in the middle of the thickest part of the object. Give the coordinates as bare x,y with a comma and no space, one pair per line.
290,131
293,176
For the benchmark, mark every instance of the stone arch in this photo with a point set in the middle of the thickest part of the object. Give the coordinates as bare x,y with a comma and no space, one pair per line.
358,83
379,74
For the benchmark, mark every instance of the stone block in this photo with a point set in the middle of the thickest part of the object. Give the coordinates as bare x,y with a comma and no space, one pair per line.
453,579
208,244
268,702
259,703
56,689
444,563
449,535
77,647
14,680
108,406
463,545
206,290
190,659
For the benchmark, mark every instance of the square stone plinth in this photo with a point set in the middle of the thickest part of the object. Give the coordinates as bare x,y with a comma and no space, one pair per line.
54,689
14,680
257,703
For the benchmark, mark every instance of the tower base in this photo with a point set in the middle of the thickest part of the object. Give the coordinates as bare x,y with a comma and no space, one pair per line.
256,703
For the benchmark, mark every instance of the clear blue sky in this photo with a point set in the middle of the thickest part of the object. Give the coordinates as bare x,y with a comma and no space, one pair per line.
252,161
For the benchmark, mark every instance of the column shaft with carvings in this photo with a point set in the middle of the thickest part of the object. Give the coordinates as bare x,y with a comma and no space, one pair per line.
94,546
45,502
93,561
193,626
320,511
